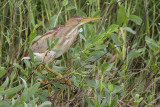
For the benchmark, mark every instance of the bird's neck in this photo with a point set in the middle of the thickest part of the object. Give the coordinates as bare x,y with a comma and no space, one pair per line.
72,30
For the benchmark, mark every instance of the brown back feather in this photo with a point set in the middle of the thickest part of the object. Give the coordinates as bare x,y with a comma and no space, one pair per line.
35,47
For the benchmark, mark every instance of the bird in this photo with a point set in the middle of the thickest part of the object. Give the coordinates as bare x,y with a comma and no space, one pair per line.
65,35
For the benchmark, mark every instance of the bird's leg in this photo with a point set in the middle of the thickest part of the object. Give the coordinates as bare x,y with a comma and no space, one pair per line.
49,69
59,76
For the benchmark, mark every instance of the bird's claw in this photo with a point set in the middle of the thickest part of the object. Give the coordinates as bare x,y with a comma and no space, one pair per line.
65,80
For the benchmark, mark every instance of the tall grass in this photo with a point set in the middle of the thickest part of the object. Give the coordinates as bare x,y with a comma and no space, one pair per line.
114,62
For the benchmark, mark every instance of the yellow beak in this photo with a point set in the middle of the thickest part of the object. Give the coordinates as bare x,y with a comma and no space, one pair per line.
85,20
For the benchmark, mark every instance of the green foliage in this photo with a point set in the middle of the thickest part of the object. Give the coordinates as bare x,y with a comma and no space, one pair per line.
31,55
137,100
135,19
122,44
121,16
3,71
52,43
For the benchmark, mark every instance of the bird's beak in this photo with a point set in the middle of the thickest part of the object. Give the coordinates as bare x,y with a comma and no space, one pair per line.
85,20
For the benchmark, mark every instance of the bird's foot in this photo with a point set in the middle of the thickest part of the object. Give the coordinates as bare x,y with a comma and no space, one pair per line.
59,76
65,80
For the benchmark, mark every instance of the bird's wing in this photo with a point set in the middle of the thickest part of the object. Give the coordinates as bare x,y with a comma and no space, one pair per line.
40,46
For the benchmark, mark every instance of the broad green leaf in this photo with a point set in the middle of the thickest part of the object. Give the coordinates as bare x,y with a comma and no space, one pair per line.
31,55
135,19
104,103
81,36
151,44
90,2
113,28
96,14
65,2
114,101
139,52
27,63
137,99
12,90
34,102
33,89
52,43
35,39
109,67
32,36
104,66
95,55
131,54
117,89
135,53
155,68
24,96
149,98
75,81
24,82
37,26
92,83
107,94
99,47
81,13
130,30
48,43
53,21
18,66
45,104
5,83
70,8
88,101
2,72
59,86
56,50
90,66
77,63
59,68
26,105
110,86
122,16
117,49
116,39
4,104
99,39
56,41
32,20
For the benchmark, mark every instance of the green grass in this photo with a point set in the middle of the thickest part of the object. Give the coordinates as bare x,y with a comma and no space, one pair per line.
114,62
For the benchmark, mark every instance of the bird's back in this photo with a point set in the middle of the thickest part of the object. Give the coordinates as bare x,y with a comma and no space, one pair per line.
41,45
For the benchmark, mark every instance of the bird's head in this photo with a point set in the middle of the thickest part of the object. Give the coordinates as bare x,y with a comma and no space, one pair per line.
79,20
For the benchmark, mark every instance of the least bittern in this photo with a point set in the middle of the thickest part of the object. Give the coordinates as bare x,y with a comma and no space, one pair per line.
66,34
